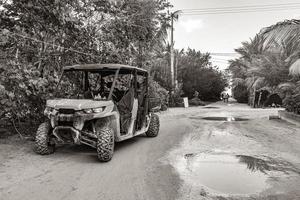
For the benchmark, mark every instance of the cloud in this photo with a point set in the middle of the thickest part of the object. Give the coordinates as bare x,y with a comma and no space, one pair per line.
296,16
191,25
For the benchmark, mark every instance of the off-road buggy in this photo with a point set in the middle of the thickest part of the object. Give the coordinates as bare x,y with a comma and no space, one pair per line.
108,103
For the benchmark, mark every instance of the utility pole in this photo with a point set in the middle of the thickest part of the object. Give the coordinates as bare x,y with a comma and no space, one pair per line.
174,15
172,52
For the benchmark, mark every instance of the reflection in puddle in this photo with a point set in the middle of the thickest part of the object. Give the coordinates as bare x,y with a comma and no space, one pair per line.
254,164
189,155
257,164
222,174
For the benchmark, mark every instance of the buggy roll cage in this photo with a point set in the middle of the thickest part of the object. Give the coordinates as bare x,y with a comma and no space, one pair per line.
106,70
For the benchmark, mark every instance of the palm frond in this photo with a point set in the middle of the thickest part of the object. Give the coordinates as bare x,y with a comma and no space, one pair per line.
280,32
259,83
295,68
286,86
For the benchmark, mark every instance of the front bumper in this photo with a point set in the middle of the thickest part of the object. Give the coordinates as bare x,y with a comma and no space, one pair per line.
75,120
69,135
66,134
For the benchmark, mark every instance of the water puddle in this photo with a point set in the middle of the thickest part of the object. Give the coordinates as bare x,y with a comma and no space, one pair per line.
228,119
211,107
224,174
229,175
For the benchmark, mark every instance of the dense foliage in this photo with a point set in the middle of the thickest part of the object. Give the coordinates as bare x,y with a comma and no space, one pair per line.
38,38
198,74
195,72
240,93
158,92
268,63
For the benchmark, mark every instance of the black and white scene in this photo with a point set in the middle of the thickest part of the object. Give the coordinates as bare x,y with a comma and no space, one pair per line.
149,100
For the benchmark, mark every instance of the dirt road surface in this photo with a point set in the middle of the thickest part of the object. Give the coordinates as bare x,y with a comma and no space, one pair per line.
194,157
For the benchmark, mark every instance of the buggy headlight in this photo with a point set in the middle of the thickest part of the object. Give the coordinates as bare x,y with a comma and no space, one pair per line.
88,111
98,110
93,110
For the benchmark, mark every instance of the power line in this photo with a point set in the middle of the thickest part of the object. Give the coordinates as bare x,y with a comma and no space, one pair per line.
52,44
236,12
243,7
240,9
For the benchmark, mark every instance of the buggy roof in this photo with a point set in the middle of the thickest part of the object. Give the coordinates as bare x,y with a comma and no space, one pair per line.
106,68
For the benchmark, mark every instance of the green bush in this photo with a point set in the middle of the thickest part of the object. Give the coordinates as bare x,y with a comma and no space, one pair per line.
208,81
157,91
196,102
290,93
176,99
23,92
240,93
292,103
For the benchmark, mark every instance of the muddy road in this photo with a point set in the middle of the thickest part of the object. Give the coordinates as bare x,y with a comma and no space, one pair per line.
223,151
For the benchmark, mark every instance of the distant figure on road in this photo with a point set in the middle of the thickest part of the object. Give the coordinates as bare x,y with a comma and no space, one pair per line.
196,94
226,97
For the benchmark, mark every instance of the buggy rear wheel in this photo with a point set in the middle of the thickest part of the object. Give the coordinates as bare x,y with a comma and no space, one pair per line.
105,144
42,140
153,126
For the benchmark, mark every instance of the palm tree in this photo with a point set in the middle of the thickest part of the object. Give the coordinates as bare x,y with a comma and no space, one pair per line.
291,92
252,48
270,59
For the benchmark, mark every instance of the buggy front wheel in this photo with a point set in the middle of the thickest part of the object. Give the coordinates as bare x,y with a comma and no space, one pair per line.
153,126
105,144
42,140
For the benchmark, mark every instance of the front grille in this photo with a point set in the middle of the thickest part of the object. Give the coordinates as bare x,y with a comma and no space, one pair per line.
64,117
65,123
66,111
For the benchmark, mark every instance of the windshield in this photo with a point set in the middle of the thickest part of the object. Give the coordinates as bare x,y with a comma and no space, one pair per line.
92,85
70,85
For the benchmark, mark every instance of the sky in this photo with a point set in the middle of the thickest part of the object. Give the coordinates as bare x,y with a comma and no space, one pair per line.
222,33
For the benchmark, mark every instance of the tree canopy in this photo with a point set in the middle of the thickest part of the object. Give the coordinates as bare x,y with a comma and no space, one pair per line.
195,72
38,38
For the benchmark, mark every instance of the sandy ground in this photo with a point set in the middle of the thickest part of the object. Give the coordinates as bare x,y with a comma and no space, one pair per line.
165,167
